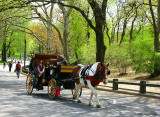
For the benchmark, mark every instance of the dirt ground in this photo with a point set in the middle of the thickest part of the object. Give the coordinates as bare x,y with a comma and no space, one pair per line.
132,76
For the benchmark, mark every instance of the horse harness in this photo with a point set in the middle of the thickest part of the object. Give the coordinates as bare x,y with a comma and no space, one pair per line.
85,74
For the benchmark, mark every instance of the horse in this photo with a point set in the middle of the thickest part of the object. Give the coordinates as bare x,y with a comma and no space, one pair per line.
90,76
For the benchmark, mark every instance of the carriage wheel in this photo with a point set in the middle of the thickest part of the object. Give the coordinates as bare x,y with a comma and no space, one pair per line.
52,88
74,91
29,84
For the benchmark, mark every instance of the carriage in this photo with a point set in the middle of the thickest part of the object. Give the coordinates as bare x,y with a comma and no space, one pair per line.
55,81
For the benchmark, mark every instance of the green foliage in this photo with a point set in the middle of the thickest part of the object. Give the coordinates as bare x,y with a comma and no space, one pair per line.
118,56
139,53
81,45
156,64
142,52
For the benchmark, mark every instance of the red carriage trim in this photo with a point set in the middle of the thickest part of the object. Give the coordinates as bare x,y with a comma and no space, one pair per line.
91,79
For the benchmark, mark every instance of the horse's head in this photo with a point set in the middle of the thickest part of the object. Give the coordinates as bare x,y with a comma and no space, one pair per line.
103,72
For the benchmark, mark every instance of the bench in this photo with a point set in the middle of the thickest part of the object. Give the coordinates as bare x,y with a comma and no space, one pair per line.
67,69
65,72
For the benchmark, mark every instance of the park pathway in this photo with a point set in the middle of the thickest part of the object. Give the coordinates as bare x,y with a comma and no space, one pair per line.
15,102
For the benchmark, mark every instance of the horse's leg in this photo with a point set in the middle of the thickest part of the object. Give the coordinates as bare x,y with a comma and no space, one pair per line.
90,100
94,92
78,86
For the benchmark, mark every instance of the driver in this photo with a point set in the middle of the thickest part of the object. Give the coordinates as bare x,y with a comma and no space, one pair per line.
60,61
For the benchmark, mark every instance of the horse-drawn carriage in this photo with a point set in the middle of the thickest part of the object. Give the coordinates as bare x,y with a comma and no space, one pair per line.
55,81
70,77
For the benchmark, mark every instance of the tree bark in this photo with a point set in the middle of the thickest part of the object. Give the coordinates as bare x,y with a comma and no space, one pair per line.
100,17
131,31
107,32
118,31
124,31
155,27
65,37
66,13
4,52
101,48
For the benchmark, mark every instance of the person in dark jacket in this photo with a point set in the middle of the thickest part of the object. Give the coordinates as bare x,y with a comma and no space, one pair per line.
18,69
60,61
4,65
10,66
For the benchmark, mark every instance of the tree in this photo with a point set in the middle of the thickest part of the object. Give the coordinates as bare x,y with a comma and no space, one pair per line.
66,15
99,13
156,26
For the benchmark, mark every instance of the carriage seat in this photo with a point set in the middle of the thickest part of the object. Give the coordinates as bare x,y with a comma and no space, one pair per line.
66,71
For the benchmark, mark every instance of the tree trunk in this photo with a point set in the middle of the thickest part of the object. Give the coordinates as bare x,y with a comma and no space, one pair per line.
118,33
49,36
131,31
113,34
124,31
39,48
65,35
100,17
4,52
107,32
155,27
66,13
101,48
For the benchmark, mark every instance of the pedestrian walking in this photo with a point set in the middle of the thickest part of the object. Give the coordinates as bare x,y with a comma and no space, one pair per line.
12,61
4,65
18,69
10,66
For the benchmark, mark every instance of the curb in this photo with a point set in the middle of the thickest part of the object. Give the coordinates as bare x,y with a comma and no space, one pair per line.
130,93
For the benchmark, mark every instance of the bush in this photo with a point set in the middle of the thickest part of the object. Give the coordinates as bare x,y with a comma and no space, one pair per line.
119,57
143,54
156,64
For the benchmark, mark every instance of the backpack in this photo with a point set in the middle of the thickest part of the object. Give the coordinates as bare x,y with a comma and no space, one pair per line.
18,68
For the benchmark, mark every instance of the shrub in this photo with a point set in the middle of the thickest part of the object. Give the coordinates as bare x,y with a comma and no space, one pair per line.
119,57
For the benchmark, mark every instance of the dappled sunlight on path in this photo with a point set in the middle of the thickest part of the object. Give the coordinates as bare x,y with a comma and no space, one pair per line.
15,102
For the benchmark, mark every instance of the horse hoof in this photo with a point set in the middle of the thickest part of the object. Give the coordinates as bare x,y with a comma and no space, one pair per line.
79,101
98,106
74,97
90,104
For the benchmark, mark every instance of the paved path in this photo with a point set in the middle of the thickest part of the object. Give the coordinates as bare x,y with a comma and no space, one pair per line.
15,102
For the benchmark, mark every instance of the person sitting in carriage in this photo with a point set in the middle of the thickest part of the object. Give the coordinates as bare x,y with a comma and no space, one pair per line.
40,72
60,61
32,66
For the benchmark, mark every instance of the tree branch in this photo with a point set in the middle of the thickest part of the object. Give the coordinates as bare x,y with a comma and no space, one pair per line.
31,33
82,13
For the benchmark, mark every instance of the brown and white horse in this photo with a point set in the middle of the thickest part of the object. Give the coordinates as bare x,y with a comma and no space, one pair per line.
92,76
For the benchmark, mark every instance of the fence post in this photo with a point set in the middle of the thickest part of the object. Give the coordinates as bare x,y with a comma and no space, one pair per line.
142,87
115,84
